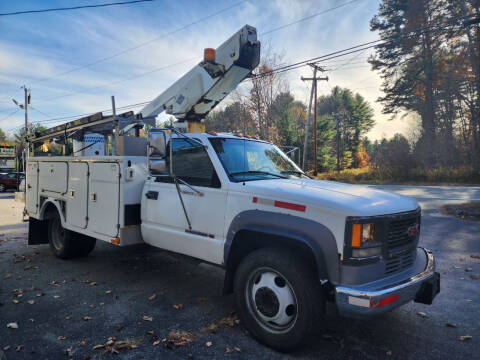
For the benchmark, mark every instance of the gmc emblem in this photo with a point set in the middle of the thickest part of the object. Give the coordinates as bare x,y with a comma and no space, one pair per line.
413,230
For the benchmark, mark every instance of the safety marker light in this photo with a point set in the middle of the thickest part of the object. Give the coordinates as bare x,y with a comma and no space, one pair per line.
209,54
356,235
115,241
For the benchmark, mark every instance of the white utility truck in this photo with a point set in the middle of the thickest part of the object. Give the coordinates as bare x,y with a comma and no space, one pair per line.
288,243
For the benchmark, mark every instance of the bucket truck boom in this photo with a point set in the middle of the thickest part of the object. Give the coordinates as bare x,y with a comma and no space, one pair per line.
196,93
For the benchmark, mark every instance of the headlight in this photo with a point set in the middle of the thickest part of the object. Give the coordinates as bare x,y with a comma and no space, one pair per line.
364,242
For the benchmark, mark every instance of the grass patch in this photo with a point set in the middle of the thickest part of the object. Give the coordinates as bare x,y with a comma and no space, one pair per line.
414,176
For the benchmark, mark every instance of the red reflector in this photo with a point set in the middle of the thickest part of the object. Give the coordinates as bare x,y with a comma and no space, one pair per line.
255,199
384,301
290,206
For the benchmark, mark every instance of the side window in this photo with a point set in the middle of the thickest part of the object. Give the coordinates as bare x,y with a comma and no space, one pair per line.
192,164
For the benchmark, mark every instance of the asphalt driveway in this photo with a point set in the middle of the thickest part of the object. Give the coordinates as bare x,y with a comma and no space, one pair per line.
140,294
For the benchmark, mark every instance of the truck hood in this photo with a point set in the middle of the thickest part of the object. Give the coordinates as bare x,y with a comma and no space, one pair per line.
334,197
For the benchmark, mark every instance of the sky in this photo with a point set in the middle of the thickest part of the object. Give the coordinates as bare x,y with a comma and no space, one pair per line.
73,61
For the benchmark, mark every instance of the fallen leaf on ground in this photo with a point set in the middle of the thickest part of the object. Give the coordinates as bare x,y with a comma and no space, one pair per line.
15,301
475,256
86,318
422,314
475,276
150,332
56,296
12,325
237,349
19,347
101,304
468,270
31,302
6,347
155,340
147,318
465,337
152,297
83,343
228,350
208,344
456,267
178,306
113,346
469,300
67,317
179,338
93,283
108,292
39,294
228,321
7,276
452,325
62,338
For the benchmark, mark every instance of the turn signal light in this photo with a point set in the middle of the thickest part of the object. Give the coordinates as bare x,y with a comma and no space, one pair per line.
356,235
115,241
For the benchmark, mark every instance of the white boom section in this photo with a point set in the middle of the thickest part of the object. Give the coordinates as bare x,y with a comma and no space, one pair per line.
196,93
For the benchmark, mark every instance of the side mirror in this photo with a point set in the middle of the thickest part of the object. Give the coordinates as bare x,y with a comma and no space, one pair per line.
157,143
157,151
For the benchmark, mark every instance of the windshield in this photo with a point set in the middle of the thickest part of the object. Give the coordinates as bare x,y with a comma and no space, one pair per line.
246,160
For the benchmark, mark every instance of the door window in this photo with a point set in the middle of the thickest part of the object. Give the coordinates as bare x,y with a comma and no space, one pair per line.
192,164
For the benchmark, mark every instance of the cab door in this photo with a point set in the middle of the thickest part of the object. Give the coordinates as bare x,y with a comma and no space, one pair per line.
164,223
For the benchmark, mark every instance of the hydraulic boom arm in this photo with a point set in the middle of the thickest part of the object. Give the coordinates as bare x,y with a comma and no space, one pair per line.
196,93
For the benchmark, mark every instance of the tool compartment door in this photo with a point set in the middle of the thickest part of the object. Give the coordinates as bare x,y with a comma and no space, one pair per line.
77,196
31,188
104,198
53,176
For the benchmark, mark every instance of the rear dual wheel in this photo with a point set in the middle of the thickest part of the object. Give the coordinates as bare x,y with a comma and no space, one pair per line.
66,244
278,298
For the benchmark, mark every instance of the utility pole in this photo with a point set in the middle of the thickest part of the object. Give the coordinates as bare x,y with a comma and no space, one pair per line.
313,94
337,127
27,101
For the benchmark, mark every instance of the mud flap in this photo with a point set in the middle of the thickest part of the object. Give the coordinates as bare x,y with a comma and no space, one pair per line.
429,290
37,231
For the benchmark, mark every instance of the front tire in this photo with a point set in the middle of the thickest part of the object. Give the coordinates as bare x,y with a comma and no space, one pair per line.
278,297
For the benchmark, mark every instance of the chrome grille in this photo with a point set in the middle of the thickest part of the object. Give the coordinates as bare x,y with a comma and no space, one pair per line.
400,246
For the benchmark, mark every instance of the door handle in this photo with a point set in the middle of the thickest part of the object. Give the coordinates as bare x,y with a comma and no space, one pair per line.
152,195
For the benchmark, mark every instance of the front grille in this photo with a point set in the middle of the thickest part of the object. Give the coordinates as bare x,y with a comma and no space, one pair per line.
401,246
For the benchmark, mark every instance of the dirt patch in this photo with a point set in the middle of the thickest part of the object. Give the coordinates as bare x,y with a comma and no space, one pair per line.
468,211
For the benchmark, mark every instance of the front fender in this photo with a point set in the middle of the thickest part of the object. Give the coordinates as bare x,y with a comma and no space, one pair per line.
316,236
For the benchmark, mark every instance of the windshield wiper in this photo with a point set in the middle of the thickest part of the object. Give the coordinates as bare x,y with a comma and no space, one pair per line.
294,172
259,173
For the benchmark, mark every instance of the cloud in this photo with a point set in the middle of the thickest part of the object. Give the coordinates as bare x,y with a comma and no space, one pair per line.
55,44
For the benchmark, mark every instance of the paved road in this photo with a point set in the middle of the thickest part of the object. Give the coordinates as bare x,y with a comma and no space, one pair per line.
112,287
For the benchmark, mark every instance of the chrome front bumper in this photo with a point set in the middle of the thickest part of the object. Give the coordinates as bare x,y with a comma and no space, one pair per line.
378,297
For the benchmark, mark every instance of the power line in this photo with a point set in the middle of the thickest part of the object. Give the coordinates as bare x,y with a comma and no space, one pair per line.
121,52
167,66
308,17
74,7
12,113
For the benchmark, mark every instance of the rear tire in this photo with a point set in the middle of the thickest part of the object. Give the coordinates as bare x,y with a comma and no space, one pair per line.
84,244
66,244
279,298
60,239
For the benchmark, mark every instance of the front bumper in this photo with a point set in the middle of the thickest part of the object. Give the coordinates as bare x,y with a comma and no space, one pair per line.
377,297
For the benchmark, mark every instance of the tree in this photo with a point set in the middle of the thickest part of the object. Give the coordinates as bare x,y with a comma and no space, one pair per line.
355,118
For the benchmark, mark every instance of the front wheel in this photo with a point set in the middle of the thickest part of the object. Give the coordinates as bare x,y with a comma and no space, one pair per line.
278,298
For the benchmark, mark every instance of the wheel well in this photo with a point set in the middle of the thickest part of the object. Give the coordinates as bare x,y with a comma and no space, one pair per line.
247,241
49,211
